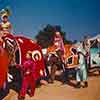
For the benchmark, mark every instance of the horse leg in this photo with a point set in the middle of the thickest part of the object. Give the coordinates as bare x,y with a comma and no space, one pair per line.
52,75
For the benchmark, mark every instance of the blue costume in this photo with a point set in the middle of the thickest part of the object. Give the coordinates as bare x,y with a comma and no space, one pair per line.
81,73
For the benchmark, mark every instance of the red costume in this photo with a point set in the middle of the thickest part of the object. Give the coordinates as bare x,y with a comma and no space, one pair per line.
28,78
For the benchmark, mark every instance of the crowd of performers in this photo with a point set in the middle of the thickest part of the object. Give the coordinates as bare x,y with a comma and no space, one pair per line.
28,67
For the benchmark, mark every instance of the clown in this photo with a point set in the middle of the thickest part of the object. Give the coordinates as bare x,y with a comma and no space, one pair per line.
58,43
81,70
28,81
5,25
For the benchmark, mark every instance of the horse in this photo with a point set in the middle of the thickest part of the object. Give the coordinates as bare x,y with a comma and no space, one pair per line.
56,64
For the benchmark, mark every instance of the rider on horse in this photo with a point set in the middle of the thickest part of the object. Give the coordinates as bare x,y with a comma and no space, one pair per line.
56,58
5,25
5,31
58,42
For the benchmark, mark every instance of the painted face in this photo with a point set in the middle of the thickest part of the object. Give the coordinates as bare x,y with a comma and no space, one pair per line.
57,33
5,19
56,44
28,56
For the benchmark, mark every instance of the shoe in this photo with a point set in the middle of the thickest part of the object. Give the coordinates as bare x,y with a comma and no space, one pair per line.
50,81
21,97
64,82
78,85
85,84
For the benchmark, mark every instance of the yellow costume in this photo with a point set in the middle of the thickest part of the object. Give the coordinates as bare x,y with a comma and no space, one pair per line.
5,27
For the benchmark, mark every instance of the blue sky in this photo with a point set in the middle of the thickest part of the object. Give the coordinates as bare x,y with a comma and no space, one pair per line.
76,17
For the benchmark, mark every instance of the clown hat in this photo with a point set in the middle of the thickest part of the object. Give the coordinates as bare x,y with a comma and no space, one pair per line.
5,12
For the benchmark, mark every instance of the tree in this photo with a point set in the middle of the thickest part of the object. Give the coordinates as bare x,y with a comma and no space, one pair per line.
45,37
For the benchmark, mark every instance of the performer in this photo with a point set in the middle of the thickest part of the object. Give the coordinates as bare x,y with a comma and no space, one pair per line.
57,58
95,39
81,71
28,77
58,42
5,25
88,45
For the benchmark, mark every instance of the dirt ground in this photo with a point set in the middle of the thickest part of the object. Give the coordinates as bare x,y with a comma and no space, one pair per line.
57,91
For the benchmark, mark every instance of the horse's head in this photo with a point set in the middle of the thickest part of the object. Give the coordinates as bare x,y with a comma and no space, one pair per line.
59,53
9,44
52,58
